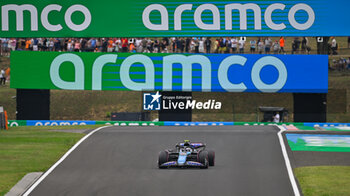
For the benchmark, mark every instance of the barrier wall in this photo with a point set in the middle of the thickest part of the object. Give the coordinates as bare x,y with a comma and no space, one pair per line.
14,123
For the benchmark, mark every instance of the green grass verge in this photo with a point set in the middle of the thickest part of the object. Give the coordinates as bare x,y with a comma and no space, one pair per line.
324,180
32,149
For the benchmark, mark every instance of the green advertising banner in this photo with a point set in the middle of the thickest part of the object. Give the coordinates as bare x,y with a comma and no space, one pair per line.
140,18
169,72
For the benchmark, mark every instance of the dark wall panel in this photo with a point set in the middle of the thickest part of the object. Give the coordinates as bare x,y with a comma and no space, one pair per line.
33,104
310,107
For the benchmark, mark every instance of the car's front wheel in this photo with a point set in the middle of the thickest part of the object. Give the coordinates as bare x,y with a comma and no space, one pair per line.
162,158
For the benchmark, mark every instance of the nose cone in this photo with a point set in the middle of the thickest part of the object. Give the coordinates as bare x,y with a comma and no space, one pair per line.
182,159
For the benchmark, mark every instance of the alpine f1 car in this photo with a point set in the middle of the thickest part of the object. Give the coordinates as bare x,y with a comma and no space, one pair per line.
187,154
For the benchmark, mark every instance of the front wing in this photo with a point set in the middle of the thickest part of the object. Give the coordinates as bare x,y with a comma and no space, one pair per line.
186,164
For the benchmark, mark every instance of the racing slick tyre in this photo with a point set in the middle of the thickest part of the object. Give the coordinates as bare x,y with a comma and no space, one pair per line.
203,158
163,158
211,157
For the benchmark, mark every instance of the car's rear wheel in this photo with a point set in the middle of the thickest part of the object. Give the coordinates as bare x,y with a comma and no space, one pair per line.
203,158
162,158
211,157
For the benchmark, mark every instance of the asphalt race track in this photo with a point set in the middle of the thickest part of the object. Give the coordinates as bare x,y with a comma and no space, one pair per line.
122,161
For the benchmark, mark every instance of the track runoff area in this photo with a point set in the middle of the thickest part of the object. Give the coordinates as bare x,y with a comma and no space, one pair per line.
123,160
116,160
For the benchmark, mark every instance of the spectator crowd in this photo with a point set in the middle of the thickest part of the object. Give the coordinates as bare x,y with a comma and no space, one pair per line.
257,45
340,64
4,76
260,45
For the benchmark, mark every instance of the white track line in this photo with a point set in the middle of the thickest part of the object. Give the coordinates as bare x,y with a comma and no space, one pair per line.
60,161
286,160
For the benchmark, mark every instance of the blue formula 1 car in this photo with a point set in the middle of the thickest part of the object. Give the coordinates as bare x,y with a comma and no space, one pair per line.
185,155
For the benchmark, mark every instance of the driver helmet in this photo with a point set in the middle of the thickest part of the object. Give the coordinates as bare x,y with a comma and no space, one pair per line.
187,143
